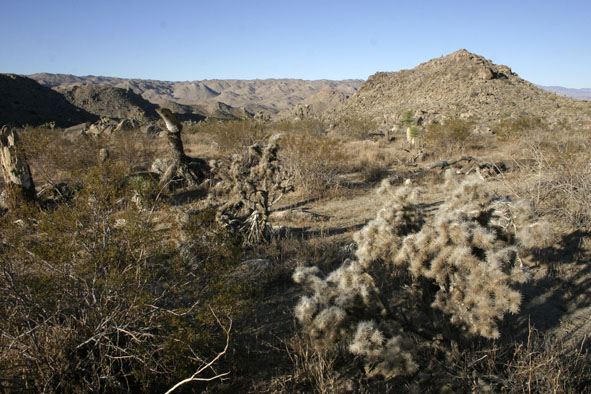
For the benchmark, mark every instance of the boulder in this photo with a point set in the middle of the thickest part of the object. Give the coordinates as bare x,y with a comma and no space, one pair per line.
77,130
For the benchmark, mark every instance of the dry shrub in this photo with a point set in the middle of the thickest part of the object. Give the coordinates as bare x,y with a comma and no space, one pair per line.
55,157
557,174
463,261
373,172
309,125
233,136
355,126
454,134
133,148
513,128
314,161
546,364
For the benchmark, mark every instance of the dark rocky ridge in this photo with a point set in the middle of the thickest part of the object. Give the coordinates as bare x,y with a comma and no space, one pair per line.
108,101
24,101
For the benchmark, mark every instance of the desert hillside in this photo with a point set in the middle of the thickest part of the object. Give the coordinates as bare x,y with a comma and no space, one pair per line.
461,84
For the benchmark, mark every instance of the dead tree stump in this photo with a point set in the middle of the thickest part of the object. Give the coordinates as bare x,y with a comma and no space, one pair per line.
18,181
190,170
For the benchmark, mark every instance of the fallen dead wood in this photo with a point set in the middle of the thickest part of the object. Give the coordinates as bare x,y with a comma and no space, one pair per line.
469,164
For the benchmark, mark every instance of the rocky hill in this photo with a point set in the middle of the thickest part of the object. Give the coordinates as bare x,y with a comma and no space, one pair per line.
267,95
108,101
24,101
461,84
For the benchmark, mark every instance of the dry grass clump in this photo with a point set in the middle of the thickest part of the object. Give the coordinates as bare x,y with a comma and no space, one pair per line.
463,261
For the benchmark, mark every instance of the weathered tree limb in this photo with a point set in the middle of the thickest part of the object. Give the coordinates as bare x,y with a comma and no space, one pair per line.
190,170
15,170
208,365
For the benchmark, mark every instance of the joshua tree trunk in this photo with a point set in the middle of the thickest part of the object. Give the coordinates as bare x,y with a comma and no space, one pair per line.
188,169
15,170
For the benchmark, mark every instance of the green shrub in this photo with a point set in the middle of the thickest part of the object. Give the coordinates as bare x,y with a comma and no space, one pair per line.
95,299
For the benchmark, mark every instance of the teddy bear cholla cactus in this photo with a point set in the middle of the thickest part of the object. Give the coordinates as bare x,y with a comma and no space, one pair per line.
471,250
254,182
468,250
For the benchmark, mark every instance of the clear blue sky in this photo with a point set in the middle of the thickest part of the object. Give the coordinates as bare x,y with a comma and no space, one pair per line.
545,42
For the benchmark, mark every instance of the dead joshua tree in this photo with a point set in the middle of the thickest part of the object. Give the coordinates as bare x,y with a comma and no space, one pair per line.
15,170
190,170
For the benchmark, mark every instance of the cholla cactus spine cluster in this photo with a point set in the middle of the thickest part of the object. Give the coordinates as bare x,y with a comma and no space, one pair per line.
469,250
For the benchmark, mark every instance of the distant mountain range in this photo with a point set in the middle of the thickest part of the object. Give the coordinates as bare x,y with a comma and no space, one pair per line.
581,94
267,95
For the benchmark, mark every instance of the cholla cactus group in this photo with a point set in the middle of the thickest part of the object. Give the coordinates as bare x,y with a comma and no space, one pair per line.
469,251
254,182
